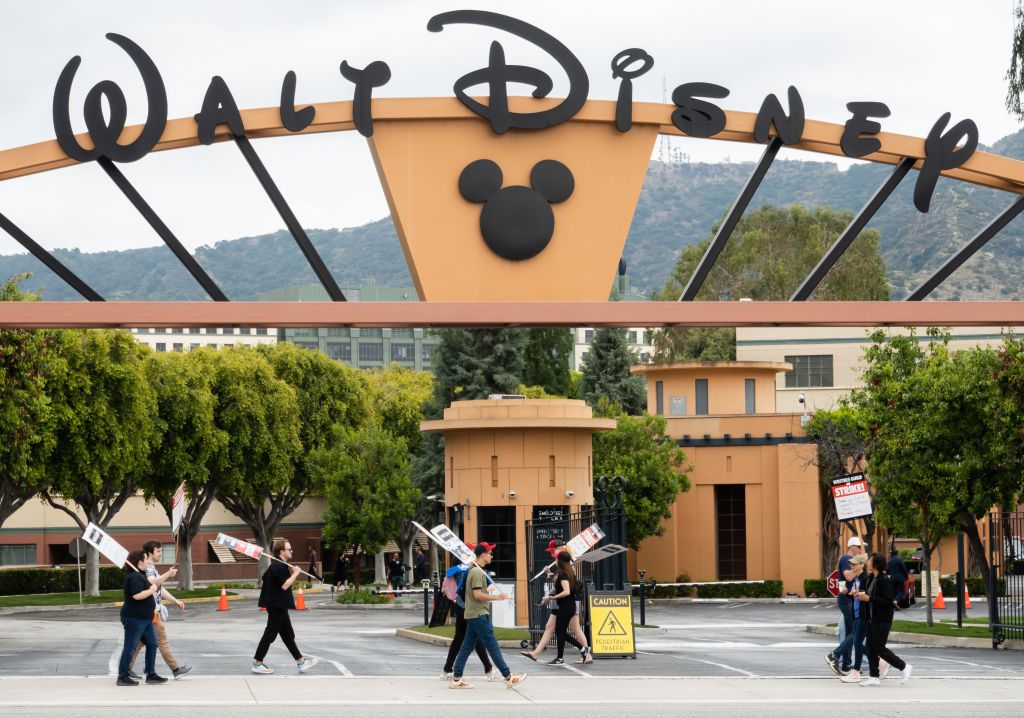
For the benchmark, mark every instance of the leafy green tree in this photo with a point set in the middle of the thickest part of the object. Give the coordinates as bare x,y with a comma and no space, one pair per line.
1015,74
190,439
654,467
27,367
365,475
546,360
606,372
767,257
327,394
105,415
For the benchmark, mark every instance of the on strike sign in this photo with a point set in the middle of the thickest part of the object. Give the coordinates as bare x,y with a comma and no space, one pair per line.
851,495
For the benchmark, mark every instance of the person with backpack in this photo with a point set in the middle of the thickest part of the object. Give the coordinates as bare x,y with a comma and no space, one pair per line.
452,586
478,623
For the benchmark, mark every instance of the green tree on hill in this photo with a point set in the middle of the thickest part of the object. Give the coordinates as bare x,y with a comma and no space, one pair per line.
606,373
767,257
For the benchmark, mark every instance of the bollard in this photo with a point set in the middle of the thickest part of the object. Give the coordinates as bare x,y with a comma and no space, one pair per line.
643,605
426,601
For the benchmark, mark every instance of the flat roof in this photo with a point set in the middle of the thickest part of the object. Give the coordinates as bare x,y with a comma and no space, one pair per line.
775,366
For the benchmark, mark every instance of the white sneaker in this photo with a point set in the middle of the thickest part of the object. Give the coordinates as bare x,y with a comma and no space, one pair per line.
870,682
446,676
493,675
883,669
514,680
851,677
459,683
308,663
906,674
261,668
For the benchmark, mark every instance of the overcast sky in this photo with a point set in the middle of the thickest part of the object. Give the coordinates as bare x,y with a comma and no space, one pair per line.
921,57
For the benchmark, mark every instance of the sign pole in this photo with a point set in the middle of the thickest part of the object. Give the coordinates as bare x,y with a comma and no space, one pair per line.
78,574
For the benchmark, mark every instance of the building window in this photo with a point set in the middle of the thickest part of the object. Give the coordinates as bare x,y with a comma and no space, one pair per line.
809,371
337,332
342,351
731,531
304,332
583,356
20,554
229,345
588,336
168,553
371,351
701,387
677,405
631,336
427,352
371,332
261,331
161,346
193,346
402,332
308,345
645,357
659,398
403,351
178,346
497,524
750,405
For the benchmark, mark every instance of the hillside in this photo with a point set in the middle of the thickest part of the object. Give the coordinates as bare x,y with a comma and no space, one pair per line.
678,206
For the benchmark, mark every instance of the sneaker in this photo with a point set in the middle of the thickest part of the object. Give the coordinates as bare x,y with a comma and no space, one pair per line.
851,677
445,676
883,669
263,668
492,675
831,662
182,671
870,682
154,680
513,680
906,674
134,676
124,681
556,662
308,663
844,670
459,683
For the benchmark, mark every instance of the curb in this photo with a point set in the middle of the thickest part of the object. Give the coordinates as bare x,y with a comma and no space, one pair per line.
332,606
924,639
116,604
442,640
787,599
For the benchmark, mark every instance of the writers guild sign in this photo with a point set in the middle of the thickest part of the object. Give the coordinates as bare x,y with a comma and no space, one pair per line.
516,222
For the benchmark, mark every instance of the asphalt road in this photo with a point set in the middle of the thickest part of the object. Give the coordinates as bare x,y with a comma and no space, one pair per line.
731,639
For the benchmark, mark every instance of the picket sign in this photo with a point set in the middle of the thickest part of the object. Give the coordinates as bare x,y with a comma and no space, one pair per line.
579,545
177,509
253,551
102,541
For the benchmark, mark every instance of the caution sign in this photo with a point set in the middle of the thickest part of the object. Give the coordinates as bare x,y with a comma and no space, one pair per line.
611,624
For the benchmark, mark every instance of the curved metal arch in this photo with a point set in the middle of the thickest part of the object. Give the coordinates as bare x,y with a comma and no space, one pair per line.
982,168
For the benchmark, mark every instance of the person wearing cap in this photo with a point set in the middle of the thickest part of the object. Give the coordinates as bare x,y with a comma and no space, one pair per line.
586,656
839,659
478,623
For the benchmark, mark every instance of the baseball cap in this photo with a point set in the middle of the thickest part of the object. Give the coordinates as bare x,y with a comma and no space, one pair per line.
854,541
483,547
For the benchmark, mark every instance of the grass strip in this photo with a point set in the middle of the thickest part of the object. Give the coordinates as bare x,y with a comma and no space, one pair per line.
502,634
71,599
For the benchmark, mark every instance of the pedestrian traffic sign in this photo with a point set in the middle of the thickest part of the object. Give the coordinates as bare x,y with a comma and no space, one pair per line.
611,620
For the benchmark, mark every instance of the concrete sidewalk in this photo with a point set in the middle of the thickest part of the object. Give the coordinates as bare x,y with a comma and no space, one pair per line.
318,690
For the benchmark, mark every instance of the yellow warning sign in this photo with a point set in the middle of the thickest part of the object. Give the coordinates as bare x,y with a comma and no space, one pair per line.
611,621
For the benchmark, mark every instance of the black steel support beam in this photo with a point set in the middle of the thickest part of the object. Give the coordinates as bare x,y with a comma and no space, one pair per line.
849,234
977,242
143,208
51,262
301,238
700,274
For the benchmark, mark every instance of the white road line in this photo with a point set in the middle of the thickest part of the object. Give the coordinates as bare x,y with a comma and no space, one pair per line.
966,663
115,658
341,668
574,669
736,605
737,624
720,665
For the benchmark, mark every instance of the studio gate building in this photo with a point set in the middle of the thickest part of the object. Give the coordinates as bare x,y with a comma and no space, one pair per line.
514,212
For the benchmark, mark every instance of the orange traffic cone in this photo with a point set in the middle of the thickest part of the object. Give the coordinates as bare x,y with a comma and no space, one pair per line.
222,605
939,602
967,598
300,601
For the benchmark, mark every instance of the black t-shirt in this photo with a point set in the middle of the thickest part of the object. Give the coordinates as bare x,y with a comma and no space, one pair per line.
134,583
566,603
273,594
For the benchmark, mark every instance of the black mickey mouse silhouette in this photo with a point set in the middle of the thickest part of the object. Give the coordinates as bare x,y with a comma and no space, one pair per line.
516,222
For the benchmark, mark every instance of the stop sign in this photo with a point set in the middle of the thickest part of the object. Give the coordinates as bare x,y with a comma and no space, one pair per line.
833,583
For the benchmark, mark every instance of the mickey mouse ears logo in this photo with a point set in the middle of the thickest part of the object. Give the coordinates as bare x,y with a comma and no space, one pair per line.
516,222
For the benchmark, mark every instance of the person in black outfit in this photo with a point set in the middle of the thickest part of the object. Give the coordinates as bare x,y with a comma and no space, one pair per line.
276,597
341,570
898,574
396,572
137,619
419,565
565,597
879,599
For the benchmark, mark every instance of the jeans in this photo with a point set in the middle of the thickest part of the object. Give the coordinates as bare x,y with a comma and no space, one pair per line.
842,651
480,629
860,632
162,644
878,634
278,624
457,641
136,629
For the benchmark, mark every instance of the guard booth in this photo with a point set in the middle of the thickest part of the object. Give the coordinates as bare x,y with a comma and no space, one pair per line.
601,571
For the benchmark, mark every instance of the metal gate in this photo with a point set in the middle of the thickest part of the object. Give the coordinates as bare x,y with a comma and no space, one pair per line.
563,526
1006,558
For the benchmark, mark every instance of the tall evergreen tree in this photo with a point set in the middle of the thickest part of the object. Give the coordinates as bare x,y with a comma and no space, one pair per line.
546,360
606,373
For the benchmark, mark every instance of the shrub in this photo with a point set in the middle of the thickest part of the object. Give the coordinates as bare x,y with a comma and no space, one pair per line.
362,596
816,587
20,581
768,589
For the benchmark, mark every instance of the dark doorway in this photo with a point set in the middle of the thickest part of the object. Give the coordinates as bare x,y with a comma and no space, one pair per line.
731,531
497,525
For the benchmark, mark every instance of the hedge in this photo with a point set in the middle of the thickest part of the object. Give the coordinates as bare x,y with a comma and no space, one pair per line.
20,581
816,587
362,596
768,589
